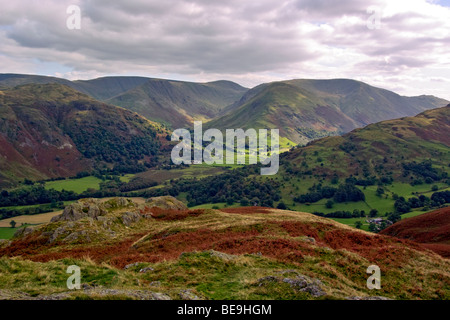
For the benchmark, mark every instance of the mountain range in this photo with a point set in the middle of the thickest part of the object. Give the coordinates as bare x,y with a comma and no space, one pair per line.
303,110
52,127
174,103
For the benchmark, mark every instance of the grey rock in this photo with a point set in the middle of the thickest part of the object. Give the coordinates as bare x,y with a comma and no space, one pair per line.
74,236
131,265
23,232
128,218
145,270
296,284
91,208
300,283
155,284
367,298
222,255
14,295
309,239
189,295
60,231
314,289
161,296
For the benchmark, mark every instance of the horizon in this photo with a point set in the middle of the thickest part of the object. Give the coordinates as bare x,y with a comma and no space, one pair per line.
218,80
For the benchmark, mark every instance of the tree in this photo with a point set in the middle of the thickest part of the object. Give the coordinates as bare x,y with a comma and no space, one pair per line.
373,213
281,206
12,223
358,224
329,204
401,206
394,217
244,202
380,191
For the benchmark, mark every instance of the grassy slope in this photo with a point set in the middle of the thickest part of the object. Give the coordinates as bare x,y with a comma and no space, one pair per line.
308,109
380,148
49,129
179,103
338,256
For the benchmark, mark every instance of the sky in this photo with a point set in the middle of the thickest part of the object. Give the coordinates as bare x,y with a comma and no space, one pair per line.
399,45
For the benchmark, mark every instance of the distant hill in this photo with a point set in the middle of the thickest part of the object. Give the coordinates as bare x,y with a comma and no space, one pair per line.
430,229
175,103
178,103
380,149
51,130
304,110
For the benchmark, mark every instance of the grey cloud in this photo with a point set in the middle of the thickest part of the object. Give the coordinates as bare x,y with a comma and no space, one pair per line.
221,37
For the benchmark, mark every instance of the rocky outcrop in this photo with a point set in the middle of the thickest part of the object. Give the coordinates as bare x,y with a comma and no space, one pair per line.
91,208
128,218
222,255
165,202
189,295
23,232
299,283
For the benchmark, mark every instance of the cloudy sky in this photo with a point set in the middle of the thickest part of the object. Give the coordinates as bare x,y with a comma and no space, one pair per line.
401,45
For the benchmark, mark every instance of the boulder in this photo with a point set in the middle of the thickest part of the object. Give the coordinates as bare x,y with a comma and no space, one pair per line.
91,208
128,218
23,232
222,255
299,283
189,295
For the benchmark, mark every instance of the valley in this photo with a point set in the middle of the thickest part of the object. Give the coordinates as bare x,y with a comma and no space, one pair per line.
82,164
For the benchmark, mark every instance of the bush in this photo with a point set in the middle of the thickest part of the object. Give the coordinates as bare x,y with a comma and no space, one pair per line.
281,206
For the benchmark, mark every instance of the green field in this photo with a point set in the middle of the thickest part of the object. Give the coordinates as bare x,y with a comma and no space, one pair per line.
75,185
7,233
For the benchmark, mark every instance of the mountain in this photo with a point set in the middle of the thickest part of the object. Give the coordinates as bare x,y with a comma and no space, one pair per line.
51,130
175,103
99,89
304,110
178,103
142,250
432,230
396,148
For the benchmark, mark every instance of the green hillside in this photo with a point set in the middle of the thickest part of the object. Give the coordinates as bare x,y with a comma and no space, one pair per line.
179,103
174,103
51,130
305,110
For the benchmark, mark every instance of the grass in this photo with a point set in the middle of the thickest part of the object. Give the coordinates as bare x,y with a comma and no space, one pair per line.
256,244
7,233
75,185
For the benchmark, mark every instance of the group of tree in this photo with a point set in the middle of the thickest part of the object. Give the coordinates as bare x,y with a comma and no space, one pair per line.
231,187
423,170
348,214
437,199
346,192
